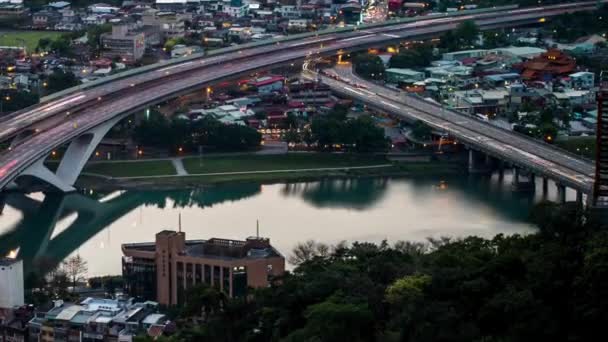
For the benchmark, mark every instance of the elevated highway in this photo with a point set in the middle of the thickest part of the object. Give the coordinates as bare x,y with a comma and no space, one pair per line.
521,151
82,117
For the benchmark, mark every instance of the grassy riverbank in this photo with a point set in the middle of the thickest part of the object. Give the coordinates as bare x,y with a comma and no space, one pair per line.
143,168
253,168
291,161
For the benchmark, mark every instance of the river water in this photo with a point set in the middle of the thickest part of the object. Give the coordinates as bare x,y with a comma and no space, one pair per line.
47,229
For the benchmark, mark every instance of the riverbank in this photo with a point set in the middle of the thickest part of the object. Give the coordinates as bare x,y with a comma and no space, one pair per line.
186,172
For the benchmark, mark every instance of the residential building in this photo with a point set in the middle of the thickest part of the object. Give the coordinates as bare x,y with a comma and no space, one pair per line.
236,9
500,80
571,98
45,19
102,9
582,80
13,323
11,283
523,52
268,84
94,319
287,11
12,9
178,6
460,55
480,101
167,24
177,264
298,24
122,43
396,75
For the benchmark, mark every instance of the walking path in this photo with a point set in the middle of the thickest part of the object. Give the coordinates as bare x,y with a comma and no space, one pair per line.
179,166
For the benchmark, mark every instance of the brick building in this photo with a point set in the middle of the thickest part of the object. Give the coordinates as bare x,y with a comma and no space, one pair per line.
164,269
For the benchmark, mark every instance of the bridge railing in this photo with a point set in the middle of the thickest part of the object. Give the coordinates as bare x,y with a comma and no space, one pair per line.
175,61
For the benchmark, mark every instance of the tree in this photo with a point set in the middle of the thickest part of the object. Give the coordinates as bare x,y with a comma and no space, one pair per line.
369,65
421,131
75,269
61,46
418,57
94,33
408,289
60,80
292,136
466,33
494,39
330,321
308,250
44,43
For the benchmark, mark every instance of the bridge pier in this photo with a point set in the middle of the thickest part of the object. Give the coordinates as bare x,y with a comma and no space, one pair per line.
473,167
579,198
76,156
561,193
520,185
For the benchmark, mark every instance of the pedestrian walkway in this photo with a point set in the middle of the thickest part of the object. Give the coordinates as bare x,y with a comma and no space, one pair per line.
179,166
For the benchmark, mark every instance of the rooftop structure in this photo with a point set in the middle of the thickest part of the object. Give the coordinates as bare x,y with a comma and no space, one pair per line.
548,65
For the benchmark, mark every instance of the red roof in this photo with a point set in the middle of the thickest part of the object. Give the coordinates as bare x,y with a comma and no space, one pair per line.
295,104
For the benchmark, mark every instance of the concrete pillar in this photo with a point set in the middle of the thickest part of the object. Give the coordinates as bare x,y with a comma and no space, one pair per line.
40,171
561,193
545,185
515,175
80,150
488,161
471,160
579,198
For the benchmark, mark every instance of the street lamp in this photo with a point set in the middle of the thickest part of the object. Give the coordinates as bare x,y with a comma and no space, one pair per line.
2,100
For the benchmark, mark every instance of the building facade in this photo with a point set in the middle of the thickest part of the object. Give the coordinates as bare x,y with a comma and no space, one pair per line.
124,44
176,265
11,283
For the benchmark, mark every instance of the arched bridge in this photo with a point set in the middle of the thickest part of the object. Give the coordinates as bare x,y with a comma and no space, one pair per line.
82,116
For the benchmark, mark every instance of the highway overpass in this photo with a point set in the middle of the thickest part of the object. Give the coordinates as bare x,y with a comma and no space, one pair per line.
525,153
82,117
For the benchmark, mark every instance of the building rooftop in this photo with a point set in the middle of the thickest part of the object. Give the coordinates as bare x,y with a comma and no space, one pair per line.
9,261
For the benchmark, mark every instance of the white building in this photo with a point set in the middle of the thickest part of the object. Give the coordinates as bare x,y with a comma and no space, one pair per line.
288,11
11,283
582,80
301,24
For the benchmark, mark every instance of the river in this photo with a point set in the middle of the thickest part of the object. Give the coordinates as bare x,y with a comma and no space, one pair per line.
95,225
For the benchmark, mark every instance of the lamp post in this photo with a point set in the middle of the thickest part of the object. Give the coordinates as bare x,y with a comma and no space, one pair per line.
2,100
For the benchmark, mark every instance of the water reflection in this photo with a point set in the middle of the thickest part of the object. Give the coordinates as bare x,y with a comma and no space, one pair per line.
47,229
357,193
34,235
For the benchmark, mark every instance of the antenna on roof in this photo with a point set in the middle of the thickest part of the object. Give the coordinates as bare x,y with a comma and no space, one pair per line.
257,229
179,222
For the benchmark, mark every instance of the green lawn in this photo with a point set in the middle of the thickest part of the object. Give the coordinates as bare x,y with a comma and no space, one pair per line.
291,161
584,146
132,169
30,38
